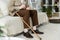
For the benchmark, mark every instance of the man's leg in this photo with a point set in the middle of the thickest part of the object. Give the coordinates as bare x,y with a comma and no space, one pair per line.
33,14
25,14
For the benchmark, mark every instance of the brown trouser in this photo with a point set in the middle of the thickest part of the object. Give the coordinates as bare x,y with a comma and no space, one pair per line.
29,13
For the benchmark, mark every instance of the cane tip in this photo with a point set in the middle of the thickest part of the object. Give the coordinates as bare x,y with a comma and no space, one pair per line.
40,38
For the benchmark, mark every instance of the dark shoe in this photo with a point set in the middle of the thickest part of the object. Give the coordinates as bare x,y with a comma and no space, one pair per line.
39,25
28,35
38,32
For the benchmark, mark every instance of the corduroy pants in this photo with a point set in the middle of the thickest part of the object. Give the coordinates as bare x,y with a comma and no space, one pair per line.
26,14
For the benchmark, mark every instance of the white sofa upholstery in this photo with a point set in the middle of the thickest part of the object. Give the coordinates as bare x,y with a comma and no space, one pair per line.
12,25
42,18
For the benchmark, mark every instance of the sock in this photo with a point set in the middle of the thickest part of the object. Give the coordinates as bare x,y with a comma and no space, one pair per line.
34,28
26,30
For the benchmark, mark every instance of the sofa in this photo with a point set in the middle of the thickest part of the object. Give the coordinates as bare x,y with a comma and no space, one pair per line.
14,25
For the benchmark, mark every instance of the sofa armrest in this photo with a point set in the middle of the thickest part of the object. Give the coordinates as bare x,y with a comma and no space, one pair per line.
42,18
13,25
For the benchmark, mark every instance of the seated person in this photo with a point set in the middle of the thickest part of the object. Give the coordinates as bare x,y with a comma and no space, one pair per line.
26,13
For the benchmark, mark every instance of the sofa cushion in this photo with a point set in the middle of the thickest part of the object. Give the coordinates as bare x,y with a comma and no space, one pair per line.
13,25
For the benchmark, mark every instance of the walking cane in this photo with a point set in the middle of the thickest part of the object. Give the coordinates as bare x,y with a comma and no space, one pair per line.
26,24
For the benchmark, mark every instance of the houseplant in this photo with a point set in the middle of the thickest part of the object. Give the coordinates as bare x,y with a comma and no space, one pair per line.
49,11
43,9
1,32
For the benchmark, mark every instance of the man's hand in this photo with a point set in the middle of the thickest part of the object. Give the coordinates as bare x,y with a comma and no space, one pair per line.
22,6
28,8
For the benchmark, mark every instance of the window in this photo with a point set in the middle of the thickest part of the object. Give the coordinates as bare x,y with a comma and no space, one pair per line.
43,5
56,7
49,2
32,0
43,1
32,3
53,5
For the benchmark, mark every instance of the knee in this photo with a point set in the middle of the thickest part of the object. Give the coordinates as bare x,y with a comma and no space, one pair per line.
27,11
35,11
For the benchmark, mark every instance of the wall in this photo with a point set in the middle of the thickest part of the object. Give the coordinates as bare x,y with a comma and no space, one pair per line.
37,4
3,6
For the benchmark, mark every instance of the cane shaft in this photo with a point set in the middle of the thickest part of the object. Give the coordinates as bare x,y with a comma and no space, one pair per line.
26,24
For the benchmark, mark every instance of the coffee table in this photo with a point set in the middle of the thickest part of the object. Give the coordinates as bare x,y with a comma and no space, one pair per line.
54,20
